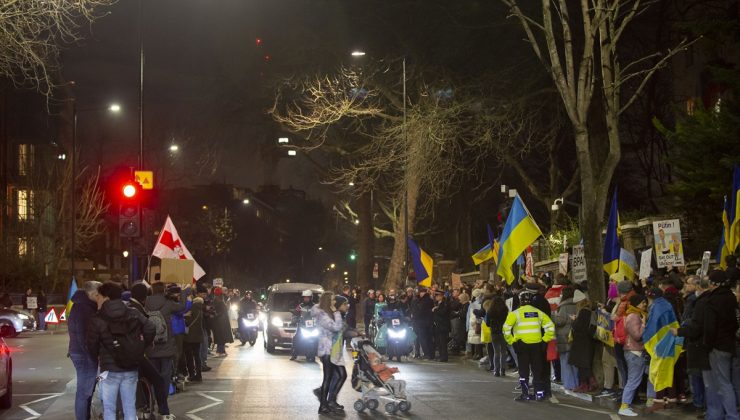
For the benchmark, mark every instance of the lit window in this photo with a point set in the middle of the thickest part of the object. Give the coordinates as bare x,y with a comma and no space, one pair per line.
25,158
25,204
690,106
258,213
718,106
22,246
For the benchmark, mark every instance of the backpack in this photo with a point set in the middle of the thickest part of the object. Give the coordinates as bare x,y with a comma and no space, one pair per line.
161,328
620,334
128,344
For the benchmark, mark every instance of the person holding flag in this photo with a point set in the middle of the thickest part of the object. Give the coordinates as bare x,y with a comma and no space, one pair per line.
519,232
422,311
169,245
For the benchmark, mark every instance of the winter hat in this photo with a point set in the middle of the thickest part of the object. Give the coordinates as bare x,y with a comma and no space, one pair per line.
139,291
173,289
718,278
654,293
613,292
636,300
339,300
463,298
578,296
476,293
218,291
624,287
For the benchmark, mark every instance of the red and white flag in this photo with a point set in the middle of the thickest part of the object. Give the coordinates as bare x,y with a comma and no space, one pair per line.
169,245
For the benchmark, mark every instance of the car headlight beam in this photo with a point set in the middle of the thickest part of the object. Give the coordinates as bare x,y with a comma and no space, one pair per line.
277,321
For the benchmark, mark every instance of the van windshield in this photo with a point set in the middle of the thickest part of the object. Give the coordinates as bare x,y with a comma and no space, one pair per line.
286,302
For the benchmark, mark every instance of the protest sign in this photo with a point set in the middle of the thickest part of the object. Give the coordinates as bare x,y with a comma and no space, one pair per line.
668,246
604,327
578,265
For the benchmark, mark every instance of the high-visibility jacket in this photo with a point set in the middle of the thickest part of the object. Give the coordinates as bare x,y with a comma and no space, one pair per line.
526,324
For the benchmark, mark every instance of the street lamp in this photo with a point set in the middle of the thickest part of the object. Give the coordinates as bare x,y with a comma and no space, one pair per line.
245,201
332,266
113,108
125,254
174,148
358,53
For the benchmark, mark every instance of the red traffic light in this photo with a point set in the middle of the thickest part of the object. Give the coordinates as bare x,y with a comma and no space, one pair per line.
129,190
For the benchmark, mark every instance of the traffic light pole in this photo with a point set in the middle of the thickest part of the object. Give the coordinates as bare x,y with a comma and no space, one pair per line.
132,263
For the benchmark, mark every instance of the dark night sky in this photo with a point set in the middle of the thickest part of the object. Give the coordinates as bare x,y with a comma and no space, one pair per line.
206,80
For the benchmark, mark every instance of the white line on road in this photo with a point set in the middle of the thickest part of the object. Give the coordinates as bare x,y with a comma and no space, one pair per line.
611,415
33,413
203,394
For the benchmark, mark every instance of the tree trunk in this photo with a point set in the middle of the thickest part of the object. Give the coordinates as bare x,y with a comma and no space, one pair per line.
365,238
396,274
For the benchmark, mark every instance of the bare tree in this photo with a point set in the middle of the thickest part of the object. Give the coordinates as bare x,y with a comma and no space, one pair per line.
580,51
31,33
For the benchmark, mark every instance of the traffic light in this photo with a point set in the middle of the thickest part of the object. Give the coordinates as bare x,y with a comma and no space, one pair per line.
129,211
352,256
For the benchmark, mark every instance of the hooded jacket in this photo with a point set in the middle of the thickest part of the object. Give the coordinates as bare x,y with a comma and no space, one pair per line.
178,319
720,322
563,324
166,307
80,315
99,338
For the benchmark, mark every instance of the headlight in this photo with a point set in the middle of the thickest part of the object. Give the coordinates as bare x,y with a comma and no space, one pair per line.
250,322
263,317
277,321
396,334
23,316
309,332
234,307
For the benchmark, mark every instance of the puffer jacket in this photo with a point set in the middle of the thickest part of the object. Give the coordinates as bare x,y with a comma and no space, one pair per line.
83,310
194,321
99,339
166,307
564,324
178,319
634,328
328,330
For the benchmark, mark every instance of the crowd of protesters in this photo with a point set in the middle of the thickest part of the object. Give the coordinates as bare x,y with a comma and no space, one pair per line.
705,376
161,333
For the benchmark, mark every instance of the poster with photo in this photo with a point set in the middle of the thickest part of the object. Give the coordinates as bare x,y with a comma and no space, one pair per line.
668,246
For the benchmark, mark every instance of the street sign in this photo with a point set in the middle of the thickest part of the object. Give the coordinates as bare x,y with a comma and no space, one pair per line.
579,264
63,316
51,317
145,179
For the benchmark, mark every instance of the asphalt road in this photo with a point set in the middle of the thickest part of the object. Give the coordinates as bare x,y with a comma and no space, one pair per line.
250,382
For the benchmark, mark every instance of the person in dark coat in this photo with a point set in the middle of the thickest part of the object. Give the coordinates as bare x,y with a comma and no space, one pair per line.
692,328
368,310
441,317
193,339
495,318
86,367
422,315
352,312
720,325
220,324
6,301
41,303
583,347
116,380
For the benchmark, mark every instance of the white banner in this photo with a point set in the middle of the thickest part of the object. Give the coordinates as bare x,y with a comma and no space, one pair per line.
563,263
578,265
32,303
645,259
668,246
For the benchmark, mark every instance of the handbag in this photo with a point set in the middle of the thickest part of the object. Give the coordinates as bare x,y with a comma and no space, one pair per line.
477,327
187,326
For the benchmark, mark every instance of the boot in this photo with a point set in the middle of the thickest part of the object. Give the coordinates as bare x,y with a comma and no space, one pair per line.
592,385
525,390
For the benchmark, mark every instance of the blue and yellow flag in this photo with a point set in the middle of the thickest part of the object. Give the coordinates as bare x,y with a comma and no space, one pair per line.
519,232
72,291
731,214
484,254
723,250
627,264
423,264
612,250
662,346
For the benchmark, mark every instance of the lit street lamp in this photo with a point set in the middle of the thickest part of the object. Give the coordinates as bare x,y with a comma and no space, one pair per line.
174,148
125,254
245,201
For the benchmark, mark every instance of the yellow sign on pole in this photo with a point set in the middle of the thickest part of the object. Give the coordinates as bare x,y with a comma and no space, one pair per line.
145,179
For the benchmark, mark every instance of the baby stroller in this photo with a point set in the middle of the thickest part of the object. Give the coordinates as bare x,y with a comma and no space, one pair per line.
373,389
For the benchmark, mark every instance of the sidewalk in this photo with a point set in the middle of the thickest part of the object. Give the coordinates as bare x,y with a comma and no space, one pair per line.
607,403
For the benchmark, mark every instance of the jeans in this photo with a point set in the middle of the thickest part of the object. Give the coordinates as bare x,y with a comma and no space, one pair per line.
123,383
622,370
204,348
499,353
697,389
42,320
635,370
718,383
513,355
87,372
161,391
569,373
736,373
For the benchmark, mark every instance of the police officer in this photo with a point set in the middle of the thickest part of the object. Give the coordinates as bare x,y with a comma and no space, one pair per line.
301,313
524,329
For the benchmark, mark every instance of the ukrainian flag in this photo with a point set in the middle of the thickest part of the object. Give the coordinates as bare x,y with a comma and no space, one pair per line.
731,216
72,291
627,264
662,346
612,250
519,232
484,254
423,264
723,240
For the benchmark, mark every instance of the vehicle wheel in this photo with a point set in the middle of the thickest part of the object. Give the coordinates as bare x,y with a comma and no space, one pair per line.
13,332
390,408
372,404
404,406
359,405
7,400
270,348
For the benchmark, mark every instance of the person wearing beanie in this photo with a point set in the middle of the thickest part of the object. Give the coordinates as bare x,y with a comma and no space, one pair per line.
634,326
619,313
720,325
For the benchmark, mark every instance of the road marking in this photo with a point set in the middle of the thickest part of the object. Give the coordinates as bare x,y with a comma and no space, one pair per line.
33,413
215,402
611,415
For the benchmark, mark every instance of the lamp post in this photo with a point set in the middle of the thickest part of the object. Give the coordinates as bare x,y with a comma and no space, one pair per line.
360,53
113,108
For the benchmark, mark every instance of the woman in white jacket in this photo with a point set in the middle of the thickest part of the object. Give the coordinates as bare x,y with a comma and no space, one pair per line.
474,324
329,320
